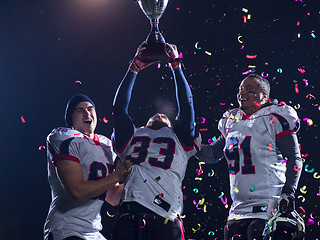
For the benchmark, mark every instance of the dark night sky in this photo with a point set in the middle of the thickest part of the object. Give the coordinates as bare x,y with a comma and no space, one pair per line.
53,49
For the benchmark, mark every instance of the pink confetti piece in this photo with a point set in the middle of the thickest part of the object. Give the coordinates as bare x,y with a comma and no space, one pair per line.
306,82
251,56
296,88
22,119
203,129
78,82
224,200
42,148
310,96
247,72
244,19
105,120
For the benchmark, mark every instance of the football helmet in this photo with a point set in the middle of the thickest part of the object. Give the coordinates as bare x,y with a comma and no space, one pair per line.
285,226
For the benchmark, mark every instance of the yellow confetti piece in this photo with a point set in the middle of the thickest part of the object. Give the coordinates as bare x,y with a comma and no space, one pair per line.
205,208
194,230
252,66
226,206
299,35
245,10
316,175
249,16
309,122
303,198
236,189
201,202
303,189
211,174
208,53
239,39
166,220
198,178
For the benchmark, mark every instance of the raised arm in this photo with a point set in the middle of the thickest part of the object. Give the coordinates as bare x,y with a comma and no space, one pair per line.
123,126
184,127
122,122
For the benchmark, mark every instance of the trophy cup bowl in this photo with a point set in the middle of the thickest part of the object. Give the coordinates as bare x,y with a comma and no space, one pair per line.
154,9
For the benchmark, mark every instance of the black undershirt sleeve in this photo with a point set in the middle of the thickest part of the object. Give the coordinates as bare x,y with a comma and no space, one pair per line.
289,148
213,153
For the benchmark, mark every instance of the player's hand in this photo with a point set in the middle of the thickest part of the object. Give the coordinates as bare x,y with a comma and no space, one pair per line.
286,203
173,55
122,169
137,64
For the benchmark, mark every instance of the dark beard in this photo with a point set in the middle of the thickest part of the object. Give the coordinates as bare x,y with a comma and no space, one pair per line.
156,125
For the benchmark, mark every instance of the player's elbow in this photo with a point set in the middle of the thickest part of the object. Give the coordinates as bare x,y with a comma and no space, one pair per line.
76,193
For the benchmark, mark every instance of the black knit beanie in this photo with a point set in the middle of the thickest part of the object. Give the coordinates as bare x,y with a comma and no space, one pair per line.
72,103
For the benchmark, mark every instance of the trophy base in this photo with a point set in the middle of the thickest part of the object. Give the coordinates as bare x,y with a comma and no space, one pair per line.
154,52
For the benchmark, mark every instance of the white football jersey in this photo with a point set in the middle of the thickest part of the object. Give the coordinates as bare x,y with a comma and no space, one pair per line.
156,179
256,166
69,217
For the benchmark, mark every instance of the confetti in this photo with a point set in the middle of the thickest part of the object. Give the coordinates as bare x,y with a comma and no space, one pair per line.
296,169
306,82
110,215
316,175
42,148
239,39
303,189
244,19
310,96
22,119
251,56
296,88
307,170
303,198
196,46
253,188
247,72
105,120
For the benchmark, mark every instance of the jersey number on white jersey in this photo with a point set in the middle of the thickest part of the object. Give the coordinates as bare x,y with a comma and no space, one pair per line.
144,143
97,171
232,154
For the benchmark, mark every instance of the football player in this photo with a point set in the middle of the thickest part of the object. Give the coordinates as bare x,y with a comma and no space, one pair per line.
259,142
80,172
152,199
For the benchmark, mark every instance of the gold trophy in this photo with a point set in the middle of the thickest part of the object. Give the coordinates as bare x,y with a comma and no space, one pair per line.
154,9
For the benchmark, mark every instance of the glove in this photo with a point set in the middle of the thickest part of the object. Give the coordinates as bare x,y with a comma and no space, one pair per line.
173,55
206,154
137,64
286,203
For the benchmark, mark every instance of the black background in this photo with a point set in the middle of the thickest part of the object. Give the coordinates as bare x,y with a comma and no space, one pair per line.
53,49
